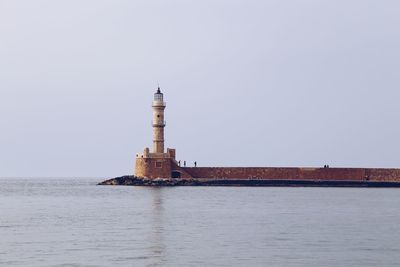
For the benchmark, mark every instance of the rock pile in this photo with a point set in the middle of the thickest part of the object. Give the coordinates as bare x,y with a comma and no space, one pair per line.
138,181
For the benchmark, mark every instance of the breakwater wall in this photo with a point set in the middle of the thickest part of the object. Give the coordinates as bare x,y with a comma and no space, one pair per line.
303,174
131,180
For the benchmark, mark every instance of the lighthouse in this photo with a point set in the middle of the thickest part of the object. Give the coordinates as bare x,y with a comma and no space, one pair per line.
157,163
158,122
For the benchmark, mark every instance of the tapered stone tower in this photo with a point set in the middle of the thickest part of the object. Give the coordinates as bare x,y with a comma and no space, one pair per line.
158,122
157,163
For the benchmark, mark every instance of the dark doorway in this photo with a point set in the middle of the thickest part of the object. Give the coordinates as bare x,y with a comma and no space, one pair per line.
176,174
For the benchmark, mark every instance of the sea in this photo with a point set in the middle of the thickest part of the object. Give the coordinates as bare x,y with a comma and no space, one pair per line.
73,222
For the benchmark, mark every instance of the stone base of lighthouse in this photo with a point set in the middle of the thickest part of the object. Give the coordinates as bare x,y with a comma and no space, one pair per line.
158,165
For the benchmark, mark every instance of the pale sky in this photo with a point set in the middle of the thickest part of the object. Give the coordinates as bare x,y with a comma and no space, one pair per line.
247,83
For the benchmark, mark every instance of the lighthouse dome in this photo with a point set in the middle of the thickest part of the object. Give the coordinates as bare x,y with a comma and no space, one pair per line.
158,96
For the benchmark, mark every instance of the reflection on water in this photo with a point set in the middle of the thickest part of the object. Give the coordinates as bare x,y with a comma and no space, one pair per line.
73,222
157,246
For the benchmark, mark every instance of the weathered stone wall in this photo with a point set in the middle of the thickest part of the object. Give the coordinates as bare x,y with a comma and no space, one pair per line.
182,172
328,174
385,175
164,167
153,167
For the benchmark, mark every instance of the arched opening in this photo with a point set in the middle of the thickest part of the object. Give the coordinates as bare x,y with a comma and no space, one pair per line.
176,174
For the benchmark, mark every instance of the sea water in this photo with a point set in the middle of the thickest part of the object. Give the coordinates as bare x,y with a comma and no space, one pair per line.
73,222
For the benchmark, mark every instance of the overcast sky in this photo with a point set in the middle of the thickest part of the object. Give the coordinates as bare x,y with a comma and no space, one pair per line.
247,83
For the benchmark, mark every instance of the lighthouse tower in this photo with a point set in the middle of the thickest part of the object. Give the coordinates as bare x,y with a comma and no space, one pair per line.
158,122
158,163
